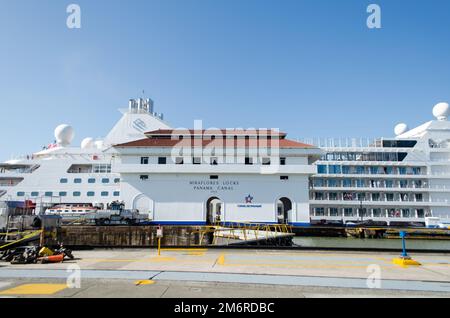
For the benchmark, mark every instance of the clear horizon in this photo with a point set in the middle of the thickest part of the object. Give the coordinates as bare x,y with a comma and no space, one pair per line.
308,68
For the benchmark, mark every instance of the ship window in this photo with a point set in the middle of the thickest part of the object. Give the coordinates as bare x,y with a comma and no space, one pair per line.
214,177
196,160
77,194
144,160
63,180
117,180
105,193
48,194
214,161
63,194
334,169
91,194
116,193
283,161
322,169
266,161
20,194
77,180
179,160
248,161
34,194
162,160
284,177
91,180
143,177
105,180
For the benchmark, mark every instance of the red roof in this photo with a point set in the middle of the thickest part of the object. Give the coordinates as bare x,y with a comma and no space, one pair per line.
222,143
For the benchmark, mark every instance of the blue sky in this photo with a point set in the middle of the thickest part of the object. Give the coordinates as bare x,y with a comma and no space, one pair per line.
311,68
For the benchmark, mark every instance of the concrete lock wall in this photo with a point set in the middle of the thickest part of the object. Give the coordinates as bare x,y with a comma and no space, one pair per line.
128,236
182,199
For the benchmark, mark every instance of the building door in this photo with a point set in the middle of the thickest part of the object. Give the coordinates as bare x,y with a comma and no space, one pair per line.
284,208
143,204
214,212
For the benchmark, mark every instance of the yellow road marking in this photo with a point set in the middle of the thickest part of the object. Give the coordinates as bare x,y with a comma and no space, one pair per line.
144,282
185,249
35,289
221,259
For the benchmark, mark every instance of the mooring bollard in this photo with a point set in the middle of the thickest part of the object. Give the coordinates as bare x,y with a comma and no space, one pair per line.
404,259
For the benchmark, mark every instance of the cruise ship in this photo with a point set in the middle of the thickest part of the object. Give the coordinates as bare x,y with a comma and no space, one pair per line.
64,173
172,176
394,181
202,176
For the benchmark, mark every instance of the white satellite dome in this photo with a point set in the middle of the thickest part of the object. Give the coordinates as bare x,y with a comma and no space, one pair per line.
64,135
99,144
441,111
400,129
87,143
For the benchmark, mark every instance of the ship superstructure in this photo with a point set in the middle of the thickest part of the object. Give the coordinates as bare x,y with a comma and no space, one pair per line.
66,174
404,179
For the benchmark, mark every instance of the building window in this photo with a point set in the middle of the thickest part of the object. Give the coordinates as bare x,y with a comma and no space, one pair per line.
143,177
91,194
196,160
34,194
179,160
105,180
116,193
282,161
162,160
77,194
144,161
63,194
92,180
213,177
77,180
248,161
63,180
105,193
284,178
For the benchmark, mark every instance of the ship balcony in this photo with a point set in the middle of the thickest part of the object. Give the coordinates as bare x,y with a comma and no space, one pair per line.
215,169
380,189
380,203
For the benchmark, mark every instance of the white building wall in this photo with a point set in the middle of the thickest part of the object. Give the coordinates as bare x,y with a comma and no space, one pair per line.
181,198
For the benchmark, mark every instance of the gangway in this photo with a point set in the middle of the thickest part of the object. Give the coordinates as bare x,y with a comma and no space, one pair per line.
247,234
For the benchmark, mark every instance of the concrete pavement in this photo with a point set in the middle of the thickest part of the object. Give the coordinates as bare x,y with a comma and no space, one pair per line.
233,273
